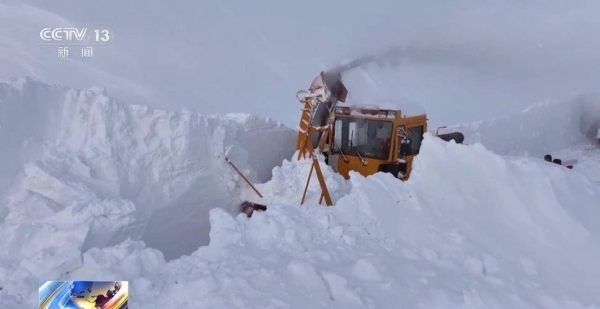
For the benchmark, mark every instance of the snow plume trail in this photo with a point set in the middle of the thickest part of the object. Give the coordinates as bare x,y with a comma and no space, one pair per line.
392,57
391,54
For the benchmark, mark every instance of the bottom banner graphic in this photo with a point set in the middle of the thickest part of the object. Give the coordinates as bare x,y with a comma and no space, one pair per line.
84,294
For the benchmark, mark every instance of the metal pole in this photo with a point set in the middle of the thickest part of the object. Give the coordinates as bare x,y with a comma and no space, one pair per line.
244,177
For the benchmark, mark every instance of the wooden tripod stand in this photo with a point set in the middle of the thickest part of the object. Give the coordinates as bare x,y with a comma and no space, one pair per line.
306,149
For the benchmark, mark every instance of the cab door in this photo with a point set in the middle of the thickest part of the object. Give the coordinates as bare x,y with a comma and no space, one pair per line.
409,137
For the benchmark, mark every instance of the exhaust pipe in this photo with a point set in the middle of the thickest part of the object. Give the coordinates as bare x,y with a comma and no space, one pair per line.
458,137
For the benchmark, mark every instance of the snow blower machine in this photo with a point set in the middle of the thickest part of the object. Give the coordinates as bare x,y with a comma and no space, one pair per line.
363,138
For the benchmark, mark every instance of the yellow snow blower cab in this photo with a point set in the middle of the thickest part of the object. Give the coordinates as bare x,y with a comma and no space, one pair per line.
363,138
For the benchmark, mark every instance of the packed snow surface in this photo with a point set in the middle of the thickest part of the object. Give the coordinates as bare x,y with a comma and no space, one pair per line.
97,189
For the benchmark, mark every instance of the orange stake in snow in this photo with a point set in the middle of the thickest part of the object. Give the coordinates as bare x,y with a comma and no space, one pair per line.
244,177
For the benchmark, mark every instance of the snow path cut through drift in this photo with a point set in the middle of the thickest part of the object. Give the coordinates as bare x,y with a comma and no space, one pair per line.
470,229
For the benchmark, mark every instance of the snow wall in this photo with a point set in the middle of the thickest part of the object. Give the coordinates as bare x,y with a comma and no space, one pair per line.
470,229
542,128
80,170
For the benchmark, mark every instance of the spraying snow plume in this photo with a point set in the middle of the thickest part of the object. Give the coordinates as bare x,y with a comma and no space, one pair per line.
446,54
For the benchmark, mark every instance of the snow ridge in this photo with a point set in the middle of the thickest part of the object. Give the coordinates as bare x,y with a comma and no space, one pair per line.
523,237
542,128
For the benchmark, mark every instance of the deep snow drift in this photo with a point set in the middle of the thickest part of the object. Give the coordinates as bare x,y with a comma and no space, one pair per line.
82,170
469,229
483,232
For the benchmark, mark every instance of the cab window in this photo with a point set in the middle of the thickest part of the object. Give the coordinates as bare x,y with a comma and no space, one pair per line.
364,137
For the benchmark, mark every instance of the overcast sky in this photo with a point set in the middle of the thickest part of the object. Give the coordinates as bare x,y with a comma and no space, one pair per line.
470,59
